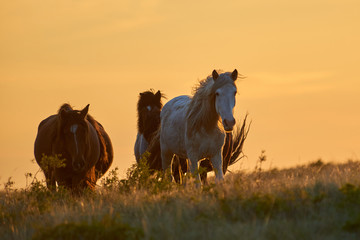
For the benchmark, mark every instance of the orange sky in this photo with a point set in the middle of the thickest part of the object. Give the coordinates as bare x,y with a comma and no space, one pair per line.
301,60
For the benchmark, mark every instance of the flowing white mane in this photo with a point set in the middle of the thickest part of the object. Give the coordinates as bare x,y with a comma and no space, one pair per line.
202,112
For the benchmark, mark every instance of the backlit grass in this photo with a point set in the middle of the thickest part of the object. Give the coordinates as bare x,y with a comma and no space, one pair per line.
317,201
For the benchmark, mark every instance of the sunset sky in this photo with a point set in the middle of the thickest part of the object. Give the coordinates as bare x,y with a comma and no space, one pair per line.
300,58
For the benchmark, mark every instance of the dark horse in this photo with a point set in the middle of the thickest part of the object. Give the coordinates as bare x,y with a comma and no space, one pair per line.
148,139
80,141
148,108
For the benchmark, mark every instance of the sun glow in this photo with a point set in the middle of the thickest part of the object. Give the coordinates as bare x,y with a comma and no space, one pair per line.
300,60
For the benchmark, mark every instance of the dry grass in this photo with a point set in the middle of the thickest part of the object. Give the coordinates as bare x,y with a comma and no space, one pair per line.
318,201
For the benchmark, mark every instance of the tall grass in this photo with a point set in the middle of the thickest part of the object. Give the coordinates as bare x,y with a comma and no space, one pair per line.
316,201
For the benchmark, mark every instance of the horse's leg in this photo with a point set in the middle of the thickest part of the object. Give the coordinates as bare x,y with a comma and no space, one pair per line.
63,184
50,180
216,162
90,180
184,168
193,166
203,177
166,158
176,169
203,172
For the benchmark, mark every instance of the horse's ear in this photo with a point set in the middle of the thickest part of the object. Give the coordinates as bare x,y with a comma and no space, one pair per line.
158,95
215,75
234,75
85,111
63,114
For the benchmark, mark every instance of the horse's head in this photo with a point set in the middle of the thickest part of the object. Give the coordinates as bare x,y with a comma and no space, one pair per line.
149,107
74,131
224,89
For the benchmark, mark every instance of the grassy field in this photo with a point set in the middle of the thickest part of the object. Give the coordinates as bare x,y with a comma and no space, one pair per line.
317,201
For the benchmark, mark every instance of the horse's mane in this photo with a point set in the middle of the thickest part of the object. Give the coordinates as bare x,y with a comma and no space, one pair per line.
65,107
201,111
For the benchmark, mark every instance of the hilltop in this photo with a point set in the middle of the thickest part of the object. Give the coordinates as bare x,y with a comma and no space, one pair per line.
314,201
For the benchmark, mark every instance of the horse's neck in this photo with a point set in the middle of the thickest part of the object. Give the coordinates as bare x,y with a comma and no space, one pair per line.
202,115
148,127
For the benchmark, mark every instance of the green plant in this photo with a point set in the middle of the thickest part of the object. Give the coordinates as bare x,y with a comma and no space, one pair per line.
140,177
49,163
112,180
258,167
9,185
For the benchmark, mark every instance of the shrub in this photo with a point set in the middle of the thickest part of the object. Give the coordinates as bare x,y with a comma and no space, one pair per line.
140,177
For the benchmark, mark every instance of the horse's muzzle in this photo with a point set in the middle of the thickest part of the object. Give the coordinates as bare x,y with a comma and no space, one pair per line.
229,124
78,165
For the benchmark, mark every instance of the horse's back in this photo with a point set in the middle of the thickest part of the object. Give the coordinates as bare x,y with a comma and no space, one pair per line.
173,116
45,136
175,108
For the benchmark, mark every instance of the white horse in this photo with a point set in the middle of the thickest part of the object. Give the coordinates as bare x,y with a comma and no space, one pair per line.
190,126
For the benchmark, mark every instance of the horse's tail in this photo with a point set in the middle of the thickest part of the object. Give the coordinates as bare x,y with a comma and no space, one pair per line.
154,159
238,140
227,150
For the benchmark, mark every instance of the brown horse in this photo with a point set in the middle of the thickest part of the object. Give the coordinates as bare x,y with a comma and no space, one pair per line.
80,141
